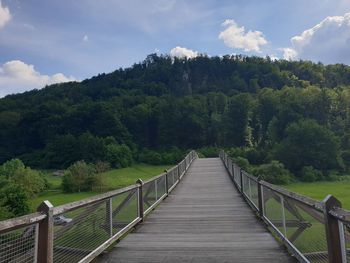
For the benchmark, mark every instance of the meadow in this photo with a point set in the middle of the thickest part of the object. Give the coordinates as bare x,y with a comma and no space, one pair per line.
319,190
113,179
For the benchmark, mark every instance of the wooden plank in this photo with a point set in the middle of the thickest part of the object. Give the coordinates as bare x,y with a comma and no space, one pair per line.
204,219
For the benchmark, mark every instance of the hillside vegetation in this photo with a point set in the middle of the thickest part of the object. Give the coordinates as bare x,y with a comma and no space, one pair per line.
280,119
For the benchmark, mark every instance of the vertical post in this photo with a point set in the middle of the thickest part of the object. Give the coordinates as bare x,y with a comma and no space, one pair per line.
185,163
241,175
334,242
178,171
36,241
45,242
109,215
260,199
166,183
283,216
250,189
156,189
140,198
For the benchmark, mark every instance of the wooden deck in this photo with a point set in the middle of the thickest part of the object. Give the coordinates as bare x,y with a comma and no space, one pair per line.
204,219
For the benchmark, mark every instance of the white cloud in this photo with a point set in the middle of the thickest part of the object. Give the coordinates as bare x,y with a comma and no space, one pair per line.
182,52
17,76
236,37
289,53
328,41
85,38
5,15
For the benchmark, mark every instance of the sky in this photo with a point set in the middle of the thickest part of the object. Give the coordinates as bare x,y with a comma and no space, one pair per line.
51,41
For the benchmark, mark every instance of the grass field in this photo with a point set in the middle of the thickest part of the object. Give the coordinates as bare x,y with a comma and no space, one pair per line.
113,179
319,190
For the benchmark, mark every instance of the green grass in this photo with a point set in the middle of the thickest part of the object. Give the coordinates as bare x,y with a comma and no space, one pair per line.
113,179
319,190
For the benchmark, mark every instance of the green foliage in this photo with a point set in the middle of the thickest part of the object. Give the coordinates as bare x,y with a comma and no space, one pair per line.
242,162
295,112
79,177
14,200
273,172
308,143
119,156
209,152
310,174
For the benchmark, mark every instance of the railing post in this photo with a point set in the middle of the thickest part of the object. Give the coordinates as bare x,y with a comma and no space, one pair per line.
109,216
140,198
334,241
166,183
45,240
241,175
260,199
178,172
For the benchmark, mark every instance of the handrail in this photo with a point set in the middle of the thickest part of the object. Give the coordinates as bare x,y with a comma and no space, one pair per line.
290,215
59,234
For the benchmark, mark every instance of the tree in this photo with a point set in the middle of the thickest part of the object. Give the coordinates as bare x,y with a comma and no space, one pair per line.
237,119
79,177
14,200
308,144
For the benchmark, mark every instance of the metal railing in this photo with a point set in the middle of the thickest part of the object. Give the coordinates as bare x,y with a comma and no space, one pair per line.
312,231
80,231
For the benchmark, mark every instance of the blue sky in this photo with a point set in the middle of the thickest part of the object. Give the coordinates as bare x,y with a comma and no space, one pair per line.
48,41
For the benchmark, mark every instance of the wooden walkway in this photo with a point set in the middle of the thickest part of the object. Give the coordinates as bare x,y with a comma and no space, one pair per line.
204,219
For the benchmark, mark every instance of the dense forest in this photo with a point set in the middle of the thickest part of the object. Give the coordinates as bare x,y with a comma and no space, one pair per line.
293,115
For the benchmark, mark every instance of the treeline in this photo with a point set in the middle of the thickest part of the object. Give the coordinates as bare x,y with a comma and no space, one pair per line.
293,113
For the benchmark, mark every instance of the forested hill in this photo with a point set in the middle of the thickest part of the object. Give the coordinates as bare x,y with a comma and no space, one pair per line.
294,112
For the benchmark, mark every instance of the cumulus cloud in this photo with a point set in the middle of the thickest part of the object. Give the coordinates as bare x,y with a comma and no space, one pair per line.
237,37
328,42
182,52
17,76
289,53
5,15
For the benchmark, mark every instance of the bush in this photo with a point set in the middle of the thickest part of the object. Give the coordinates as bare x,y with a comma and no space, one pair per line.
119,156
208,152
273,172
242,162
79,177
255,156
310,174
150,157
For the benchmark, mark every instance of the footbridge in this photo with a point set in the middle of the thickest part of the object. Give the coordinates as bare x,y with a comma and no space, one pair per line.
201,210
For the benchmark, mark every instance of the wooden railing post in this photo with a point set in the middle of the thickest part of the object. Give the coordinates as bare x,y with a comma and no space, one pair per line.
241,175
260,199
334,239
45,240
140,198
166,182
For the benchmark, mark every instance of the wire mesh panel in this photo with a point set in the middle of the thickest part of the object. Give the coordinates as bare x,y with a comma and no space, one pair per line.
250,188
80,231
301,224
153,191
19,245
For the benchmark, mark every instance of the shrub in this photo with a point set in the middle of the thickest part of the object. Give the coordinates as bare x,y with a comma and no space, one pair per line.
79,177
150,157
208,152
119,156
310,174
242,162
273,172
